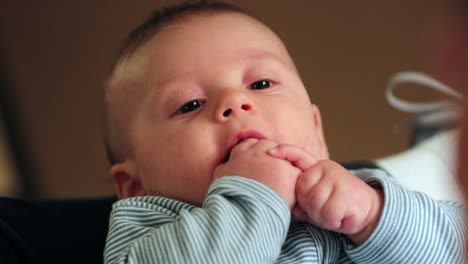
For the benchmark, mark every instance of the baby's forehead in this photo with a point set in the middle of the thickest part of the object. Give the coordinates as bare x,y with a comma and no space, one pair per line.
194,41
201,38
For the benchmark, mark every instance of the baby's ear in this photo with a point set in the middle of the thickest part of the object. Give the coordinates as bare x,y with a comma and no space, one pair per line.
126,180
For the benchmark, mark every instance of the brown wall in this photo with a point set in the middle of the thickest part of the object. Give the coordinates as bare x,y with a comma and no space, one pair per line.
58,54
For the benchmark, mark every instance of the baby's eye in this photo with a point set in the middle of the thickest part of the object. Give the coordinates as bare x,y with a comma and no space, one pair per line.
190,106
262,84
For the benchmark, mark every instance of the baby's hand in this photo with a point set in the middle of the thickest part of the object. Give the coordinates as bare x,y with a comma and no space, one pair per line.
250,159
331,197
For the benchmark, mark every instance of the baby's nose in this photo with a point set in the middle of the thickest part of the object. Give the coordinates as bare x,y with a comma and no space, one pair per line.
233,104
243,107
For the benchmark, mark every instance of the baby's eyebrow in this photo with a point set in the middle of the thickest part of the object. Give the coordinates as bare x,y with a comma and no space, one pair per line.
161,93
163,85
257,56
266,56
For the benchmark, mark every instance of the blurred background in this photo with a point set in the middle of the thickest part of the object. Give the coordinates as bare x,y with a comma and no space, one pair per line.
55,56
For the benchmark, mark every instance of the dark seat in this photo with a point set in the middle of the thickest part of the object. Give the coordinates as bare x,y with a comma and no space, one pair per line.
53,231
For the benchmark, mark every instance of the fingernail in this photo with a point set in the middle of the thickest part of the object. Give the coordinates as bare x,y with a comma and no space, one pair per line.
273,150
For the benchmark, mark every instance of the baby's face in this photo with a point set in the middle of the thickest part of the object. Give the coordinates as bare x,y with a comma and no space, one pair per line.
209,82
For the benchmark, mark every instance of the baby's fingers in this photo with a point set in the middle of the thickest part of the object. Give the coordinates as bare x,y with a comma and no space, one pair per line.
298,215
298,156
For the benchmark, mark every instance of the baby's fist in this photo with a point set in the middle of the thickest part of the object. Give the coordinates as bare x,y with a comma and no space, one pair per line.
250,159
332,198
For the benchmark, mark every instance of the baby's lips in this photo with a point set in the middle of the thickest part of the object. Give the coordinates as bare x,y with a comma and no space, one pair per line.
248,141
240,137
245,143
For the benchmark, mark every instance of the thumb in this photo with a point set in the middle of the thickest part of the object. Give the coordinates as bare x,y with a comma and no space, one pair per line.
298,215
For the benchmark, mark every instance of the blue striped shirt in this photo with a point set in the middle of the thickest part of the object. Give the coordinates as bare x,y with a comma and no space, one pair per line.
243,221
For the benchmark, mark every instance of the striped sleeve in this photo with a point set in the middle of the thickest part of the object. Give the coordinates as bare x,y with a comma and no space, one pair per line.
413,228
241,221
307,243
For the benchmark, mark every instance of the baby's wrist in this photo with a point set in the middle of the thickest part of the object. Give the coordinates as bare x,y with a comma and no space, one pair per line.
371,221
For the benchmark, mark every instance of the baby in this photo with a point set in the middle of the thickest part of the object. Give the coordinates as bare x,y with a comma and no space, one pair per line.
214,143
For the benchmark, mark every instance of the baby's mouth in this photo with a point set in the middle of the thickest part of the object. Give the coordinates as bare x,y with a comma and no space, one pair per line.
228,155
238,138
226,159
